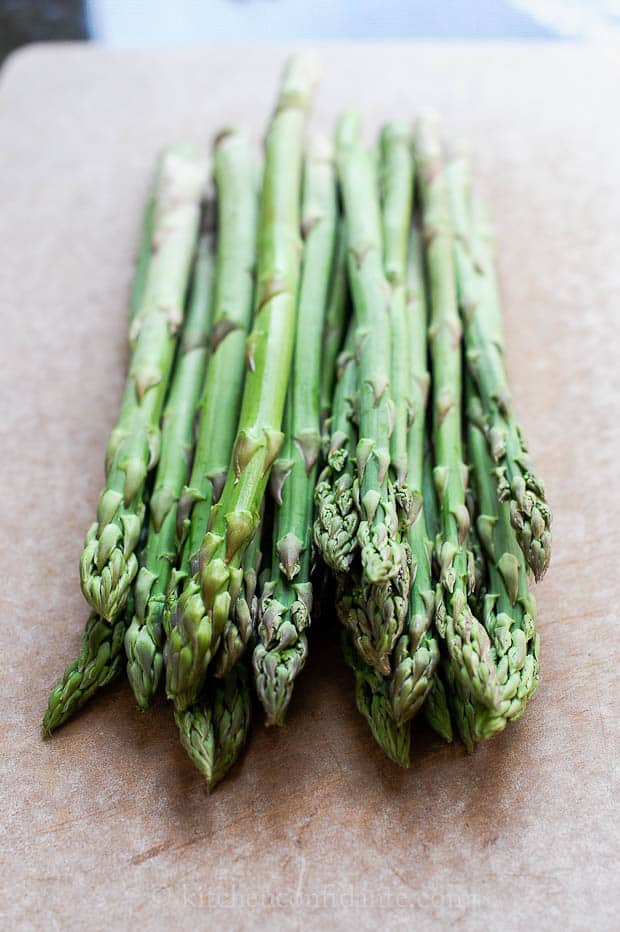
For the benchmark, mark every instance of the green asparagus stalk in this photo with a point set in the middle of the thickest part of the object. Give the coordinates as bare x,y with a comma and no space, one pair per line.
108,563
336,520
396,171
100,660
232,714
437,709
144,638
286,602
145,248
510,609
335,324
466,639
240,626
101,651
201,617
416,654
236,183
374,606
380,550
197,736
484,342
373,703
215,729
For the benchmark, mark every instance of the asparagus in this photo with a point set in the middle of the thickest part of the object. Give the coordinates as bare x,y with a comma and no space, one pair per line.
416,654
375,605
336,520
100,660
235,178
144,637
232,713
108,564
240,626
286,602
145,248
197,736
373,703
335,324
379,549
484,342
510,610
466,639
214,730
201,617
437,709
397,186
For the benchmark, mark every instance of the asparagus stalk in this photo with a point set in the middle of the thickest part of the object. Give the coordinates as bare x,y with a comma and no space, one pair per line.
416,654
466,639
286,602
99,662
437,709
484,342
373,703
232,714
197,736
396,169
235,179
108,564
380,552
100,659
374,607
201,618
145,248
336,520
144,637
335,324
510,609
215,729
241,625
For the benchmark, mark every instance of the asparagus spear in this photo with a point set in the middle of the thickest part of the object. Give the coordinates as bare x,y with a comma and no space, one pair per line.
375,605
145,248
336,521
201,619
241,624
144,637
335,324
100,658
510,610
484,342
232,713
235,178
396,170
286,602
380,552
373,703
416,654
108,564
436,707
215,729
197,736
466,639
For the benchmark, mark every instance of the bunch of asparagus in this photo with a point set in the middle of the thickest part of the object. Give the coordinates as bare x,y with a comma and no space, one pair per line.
316,406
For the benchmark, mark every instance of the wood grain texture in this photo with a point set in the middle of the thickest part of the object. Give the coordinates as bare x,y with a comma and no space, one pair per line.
108,824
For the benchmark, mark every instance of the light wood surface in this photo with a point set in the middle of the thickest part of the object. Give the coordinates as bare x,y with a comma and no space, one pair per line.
108,825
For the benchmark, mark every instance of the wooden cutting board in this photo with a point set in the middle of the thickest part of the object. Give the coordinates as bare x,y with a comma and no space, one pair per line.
108,825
